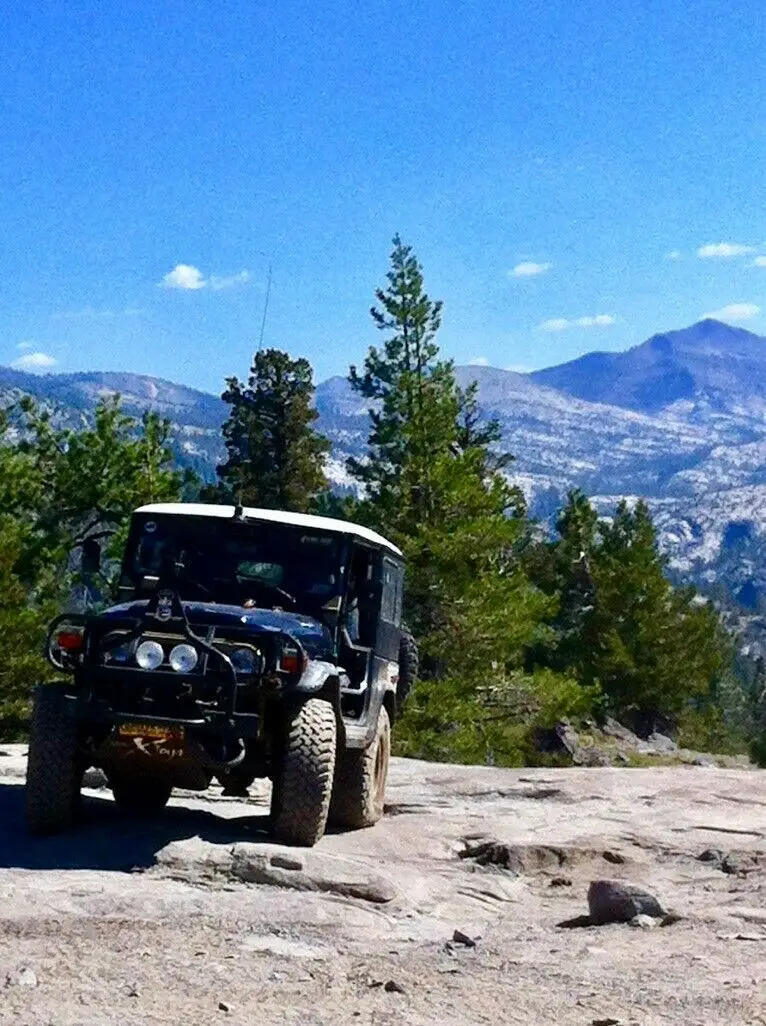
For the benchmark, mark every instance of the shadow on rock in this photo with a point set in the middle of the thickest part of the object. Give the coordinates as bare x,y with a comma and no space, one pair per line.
107,839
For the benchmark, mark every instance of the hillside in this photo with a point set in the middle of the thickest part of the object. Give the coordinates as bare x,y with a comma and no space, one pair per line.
679,420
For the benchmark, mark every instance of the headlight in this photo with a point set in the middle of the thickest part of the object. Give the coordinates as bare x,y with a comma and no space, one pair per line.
149,655
244,660
184,658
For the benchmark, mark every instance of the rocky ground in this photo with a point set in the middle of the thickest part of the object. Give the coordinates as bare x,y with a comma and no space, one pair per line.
196,918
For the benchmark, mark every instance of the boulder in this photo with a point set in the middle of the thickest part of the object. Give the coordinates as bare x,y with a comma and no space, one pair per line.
610,901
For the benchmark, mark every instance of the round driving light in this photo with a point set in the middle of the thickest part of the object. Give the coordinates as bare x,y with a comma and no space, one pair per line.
149,655
243,660
184,658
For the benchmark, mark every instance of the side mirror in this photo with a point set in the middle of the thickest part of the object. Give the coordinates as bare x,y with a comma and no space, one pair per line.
90,558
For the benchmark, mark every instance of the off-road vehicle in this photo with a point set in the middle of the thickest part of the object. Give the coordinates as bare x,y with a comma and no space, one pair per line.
245,644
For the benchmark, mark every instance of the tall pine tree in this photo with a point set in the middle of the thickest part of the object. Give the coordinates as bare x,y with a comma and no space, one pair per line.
275,457
433,483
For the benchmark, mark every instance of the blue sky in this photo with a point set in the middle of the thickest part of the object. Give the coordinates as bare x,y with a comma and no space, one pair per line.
586,141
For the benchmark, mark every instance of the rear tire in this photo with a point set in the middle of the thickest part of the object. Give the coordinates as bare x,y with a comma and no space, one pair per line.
303,775
139,793
359,793
409,666
54,772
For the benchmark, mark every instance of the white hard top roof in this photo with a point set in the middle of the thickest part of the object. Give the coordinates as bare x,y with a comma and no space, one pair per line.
275,516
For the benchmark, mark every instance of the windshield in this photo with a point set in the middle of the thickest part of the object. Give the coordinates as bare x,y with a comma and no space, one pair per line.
218,560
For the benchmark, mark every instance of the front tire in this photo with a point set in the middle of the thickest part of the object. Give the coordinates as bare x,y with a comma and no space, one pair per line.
303,775
359,793
53,769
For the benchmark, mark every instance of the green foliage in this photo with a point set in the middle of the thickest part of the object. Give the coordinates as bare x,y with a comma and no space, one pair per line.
275,457
69,485
24,614
652,648
434,485
60,488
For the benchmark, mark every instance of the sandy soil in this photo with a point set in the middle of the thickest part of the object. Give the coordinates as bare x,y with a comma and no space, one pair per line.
196,918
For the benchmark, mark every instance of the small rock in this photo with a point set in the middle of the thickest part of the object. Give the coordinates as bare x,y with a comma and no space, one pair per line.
663,744
560,881
23,978
622,756
711,855
610,901
223,1006
280,861
614,857
644,922
606,1022
459,937
738,865
133,992
392,987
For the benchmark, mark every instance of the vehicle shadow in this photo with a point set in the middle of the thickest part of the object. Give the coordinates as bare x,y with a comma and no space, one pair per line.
105,838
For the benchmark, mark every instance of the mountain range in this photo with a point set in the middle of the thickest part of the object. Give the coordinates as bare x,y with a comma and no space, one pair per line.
679,420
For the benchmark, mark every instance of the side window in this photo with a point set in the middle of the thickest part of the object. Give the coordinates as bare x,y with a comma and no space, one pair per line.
391,599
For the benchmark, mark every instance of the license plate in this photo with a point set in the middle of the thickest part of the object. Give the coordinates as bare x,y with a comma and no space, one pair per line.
151,730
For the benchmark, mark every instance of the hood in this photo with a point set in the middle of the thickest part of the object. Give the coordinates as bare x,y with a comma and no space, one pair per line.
313,635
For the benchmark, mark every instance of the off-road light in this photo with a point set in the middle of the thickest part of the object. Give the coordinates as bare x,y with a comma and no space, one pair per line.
244,660
184,658
149,655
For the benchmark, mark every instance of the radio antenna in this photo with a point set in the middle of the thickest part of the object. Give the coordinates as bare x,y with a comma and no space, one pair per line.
265,309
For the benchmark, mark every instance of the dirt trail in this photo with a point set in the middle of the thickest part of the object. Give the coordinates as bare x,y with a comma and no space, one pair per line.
197,918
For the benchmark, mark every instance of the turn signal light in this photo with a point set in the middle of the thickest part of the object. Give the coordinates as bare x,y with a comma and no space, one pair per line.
69,641
291,661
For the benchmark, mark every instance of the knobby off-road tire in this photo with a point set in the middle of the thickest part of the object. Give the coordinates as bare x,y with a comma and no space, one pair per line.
54,772
303,776
138,792
409,666
359,792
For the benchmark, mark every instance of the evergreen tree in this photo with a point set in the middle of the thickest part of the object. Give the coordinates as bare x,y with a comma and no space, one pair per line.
433,484
275,457
71,485
655,651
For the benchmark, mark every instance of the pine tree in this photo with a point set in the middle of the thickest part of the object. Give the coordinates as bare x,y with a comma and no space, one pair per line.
434,485
654,650
275,457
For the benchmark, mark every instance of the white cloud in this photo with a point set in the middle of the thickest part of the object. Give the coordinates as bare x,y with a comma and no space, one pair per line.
674,254
34,361
518,368
191,279
479,361
25,347
724,250
217,283
735,312
760,261
563,323
184,276
529,269
556,324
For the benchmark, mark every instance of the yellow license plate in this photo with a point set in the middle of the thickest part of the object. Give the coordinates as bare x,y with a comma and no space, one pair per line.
151,730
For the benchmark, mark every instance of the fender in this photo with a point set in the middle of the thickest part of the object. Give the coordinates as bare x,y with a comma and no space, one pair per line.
319,676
